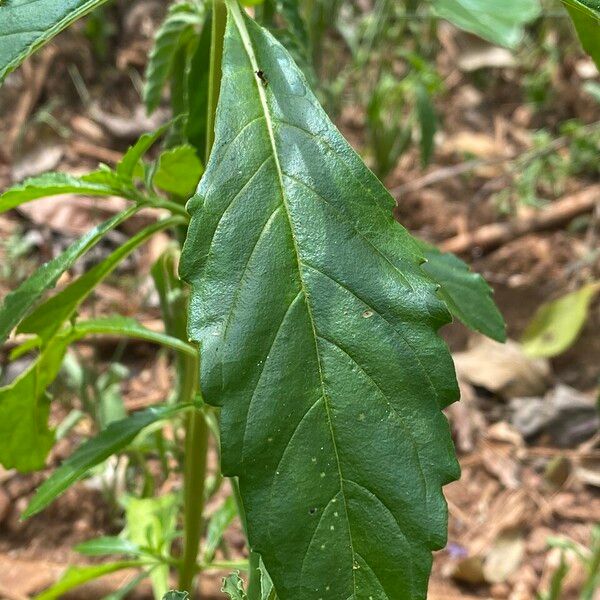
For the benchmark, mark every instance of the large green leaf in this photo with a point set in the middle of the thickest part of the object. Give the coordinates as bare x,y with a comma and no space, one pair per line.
25,25
18,302
586,18
498,22
557,324
115,437
76,576
318,335
466,294
49,316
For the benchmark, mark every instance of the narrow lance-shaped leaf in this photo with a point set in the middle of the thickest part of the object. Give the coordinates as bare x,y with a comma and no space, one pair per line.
52,184
49,316
76,576
318,335
219,522
427,123
102,546
115,437
27,25
18,302
176,30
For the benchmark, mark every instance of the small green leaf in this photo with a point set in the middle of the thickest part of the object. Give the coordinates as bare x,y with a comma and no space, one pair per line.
104,545
498,22
76,576
27,25
586,18
219,522
174,595
178,28
178,171
24,409
126,168
18,302
556,325
49,316
233,586
151,522
466,294
115,437
52,184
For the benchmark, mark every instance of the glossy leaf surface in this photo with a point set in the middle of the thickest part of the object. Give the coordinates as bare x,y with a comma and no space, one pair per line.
27,25
318,336
466,294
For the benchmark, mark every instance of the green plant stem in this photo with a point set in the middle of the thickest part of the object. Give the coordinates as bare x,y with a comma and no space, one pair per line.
196,449
196,446
174,207
219,22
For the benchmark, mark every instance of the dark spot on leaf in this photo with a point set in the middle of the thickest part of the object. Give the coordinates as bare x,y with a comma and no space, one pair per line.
261,75
312,511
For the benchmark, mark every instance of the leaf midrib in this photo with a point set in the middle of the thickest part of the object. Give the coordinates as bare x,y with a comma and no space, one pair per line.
245,37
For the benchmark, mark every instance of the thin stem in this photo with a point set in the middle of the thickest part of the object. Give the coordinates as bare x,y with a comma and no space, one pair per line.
196,443
219,22
196,450
174,207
